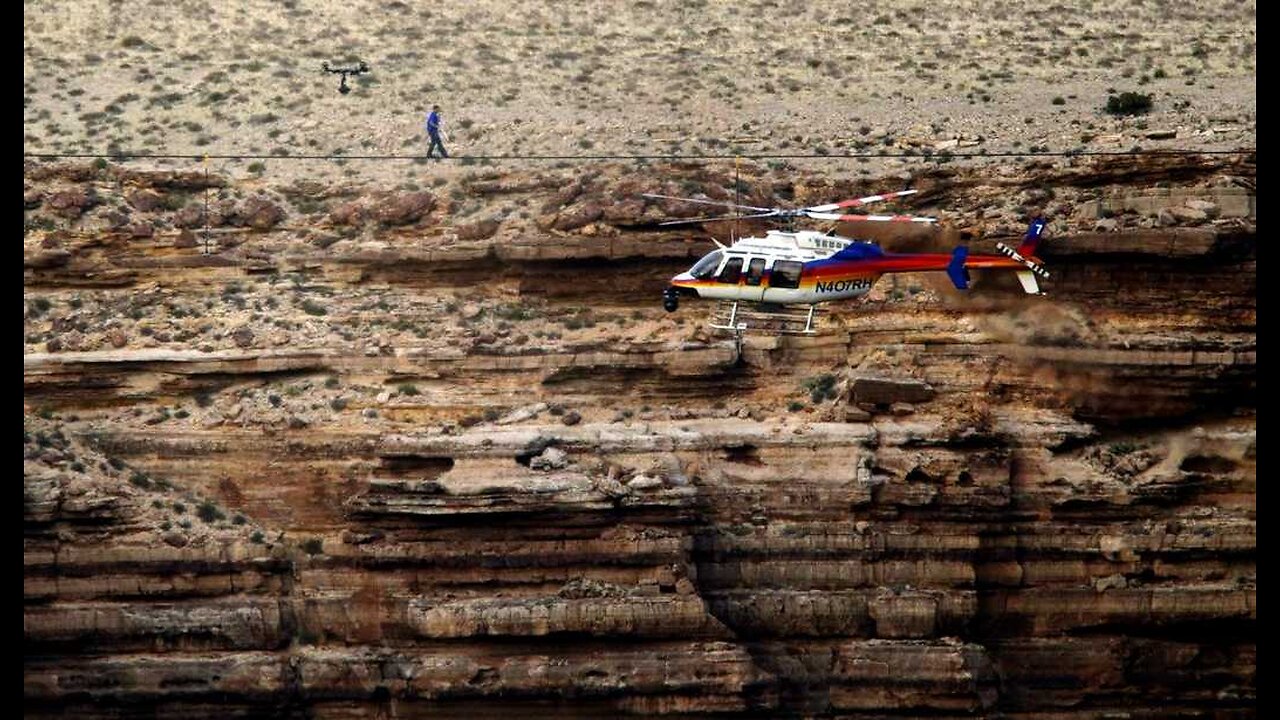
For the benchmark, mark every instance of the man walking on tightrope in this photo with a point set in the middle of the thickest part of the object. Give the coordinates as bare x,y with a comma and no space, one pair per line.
435,132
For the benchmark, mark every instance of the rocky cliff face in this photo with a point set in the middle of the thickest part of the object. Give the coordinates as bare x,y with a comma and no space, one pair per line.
377,459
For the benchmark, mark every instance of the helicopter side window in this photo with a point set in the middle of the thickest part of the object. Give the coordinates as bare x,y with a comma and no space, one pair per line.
705,267
755,271
732,271
785,274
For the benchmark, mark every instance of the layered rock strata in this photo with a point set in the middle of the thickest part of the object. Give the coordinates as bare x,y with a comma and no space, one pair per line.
940,506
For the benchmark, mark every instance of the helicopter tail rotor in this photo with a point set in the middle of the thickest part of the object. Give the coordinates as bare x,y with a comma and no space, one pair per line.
1025,254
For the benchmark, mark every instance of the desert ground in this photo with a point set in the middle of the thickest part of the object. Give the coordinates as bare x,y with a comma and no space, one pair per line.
649,77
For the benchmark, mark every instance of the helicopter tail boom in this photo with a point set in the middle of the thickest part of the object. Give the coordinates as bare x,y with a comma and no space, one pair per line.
1027,266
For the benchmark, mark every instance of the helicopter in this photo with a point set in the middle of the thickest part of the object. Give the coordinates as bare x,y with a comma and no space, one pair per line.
809,267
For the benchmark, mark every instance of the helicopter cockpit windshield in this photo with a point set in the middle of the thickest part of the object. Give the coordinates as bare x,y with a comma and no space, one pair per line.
705,267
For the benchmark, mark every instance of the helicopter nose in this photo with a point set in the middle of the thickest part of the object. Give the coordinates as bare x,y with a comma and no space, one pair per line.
683,278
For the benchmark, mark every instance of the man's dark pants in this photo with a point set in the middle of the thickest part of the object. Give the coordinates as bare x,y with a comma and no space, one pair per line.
435,143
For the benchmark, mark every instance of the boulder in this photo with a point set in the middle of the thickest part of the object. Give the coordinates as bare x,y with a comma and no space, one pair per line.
405,209
626,212
144,200
348,213
578,216
185,239
71,203
553,458
1188,214
478,230
887,391
1210,209
261,214
243,336
191,216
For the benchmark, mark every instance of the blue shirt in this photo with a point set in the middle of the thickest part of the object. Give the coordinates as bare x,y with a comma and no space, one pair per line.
433,123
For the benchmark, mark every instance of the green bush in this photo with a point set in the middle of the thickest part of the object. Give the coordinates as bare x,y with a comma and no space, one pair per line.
821,387
1122,448
1128,103
209,512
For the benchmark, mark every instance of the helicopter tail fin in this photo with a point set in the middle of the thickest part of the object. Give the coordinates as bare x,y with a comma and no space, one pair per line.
1029,283
1032,239
956,270
1026,254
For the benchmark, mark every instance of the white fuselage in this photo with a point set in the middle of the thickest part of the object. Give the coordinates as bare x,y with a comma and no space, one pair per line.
782,267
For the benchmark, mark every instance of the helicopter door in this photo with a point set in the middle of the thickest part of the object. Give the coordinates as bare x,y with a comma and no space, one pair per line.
783,278
752,289
731,272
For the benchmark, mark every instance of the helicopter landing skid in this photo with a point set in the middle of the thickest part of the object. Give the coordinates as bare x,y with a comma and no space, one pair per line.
780,322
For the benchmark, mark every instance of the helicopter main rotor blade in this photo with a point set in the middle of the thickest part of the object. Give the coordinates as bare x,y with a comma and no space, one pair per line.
718,218
871,218
860,201
708,202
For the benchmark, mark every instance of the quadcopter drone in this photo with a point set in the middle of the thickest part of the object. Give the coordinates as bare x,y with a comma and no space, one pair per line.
359,69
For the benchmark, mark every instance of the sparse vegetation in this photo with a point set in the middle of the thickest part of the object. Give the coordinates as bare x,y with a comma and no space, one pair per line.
209,513
1128,103
1121,449
820,387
